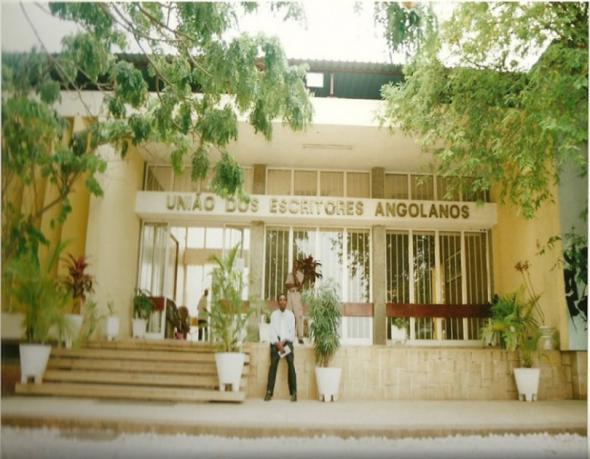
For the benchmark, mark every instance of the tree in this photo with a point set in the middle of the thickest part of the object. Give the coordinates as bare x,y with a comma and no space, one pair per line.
187,50
491,115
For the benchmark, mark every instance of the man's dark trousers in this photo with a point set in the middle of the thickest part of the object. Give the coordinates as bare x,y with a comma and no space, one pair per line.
274,363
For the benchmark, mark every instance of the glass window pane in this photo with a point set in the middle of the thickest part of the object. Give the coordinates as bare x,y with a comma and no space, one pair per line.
422,187
451,281
276,265
196,238
279,182
473,196
331,256
214,238
248,179
398,268
158,178
424,265
358,184
476,277
447,188
331,183
305,183
358,269
396,186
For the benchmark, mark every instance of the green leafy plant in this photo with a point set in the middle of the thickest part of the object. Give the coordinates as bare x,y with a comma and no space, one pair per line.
309,267
227,317
38,294
78,282
400,322
142,305
513,323
325,314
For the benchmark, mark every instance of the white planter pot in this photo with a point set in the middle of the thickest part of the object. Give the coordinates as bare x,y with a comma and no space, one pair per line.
398,334
527,383
73,327
229,369
33,361
112,328
328,381
139,326
264,332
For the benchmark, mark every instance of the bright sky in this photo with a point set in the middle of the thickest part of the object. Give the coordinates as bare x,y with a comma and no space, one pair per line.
334,31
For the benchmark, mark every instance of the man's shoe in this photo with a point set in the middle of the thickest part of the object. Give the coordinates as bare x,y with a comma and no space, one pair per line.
294,397
300,341
267,397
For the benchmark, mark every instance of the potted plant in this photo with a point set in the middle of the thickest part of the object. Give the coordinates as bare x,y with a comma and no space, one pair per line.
228,320
42,300
142,308
399,329
111,322
325,315
514,325
79,283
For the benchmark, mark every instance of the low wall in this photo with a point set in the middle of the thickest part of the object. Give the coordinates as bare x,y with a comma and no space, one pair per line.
405,373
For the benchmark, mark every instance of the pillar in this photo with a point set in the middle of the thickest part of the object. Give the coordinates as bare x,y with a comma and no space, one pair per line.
378,281
256,273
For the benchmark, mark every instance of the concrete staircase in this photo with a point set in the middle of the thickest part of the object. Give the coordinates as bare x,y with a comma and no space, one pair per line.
177,371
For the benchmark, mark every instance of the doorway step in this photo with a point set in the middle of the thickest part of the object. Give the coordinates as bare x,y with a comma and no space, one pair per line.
168,370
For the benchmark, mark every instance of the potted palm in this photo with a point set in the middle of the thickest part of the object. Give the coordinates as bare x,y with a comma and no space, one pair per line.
142,308
514,325
79,283
264,324
325,315
42,300
228,320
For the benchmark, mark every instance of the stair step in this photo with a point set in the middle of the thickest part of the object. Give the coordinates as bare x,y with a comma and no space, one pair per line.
146,344
151,379
199,368
129,392
129,354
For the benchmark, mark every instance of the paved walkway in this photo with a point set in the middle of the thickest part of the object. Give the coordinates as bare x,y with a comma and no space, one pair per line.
256,418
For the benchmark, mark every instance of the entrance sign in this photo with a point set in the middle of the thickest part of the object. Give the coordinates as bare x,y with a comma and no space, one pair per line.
315,210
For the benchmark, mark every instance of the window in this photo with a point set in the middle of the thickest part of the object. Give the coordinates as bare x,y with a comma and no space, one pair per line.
448,188
358,266
451,281
476,272
358,185
278,182
396,186
424,267
158,178
276,266
331,183
305,183
422,187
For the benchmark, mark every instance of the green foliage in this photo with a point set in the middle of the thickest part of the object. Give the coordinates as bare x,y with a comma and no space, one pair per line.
491,116
36,293
78,282
513,321
325,314
228,319
400,322
142,305
229,176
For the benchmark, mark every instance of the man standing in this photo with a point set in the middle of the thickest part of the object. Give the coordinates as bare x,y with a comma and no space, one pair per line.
202,313
294,284
282,334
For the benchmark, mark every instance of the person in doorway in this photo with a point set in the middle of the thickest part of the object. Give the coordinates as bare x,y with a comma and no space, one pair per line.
282,334
294,285
202,313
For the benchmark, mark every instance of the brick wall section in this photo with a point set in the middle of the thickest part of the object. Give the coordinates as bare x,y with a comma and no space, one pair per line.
404,373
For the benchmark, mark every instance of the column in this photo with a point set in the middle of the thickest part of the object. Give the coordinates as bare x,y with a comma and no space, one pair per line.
378,284
256,273
377,183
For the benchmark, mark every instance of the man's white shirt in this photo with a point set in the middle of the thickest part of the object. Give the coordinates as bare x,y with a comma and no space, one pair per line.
282,324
